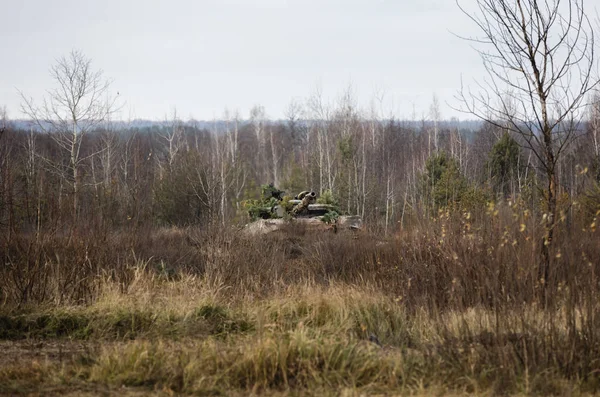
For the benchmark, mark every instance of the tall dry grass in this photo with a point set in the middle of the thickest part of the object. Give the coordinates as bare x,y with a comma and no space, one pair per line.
456,304
192,336
456,261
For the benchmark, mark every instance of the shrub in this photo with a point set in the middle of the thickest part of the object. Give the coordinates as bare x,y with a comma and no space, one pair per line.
443,185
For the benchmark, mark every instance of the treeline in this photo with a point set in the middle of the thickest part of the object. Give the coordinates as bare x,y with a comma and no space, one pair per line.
389,172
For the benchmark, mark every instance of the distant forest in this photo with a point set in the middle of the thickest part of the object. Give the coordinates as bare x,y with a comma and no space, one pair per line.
390,172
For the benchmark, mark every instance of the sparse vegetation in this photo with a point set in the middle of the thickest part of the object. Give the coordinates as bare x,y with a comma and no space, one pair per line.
454,307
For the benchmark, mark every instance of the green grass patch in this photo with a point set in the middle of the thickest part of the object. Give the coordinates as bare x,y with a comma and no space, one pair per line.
120,323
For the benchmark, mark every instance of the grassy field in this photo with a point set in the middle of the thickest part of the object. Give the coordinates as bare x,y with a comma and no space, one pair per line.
452,309
189,336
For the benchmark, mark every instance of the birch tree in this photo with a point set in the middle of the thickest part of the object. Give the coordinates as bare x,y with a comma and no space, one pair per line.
78,103
258,120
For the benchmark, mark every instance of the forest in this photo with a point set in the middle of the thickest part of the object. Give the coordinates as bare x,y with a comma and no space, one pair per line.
391,172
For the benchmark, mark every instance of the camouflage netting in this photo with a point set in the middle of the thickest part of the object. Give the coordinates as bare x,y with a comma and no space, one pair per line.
273,210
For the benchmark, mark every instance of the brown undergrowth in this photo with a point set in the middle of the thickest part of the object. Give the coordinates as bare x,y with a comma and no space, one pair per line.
456,306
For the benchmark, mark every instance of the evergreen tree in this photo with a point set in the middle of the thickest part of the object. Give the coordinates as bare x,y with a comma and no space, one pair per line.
503,165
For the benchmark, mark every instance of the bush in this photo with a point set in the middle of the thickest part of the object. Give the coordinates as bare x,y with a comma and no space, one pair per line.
503,164
443,185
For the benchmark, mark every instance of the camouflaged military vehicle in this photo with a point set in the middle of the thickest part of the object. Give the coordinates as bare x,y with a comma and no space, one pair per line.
275,210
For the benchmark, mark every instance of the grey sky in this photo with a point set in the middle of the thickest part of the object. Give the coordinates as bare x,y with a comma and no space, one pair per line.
204,56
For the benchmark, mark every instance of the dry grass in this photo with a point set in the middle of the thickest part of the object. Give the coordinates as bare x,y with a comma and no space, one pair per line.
455,307
310,339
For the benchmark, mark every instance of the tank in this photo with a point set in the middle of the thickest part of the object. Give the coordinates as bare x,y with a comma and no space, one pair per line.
276,211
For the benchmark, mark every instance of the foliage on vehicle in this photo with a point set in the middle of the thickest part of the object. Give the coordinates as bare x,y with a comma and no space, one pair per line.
263,207
330,217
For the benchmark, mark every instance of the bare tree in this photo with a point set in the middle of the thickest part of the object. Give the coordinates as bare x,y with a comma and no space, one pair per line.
539,58
4,149
5,154
293,114
239,171
275,155
436,115
171,137
3,119
320,115
109,142
594,128
79,103
258,121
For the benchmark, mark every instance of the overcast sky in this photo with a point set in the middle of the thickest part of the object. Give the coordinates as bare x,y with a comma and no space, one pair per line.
202,56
